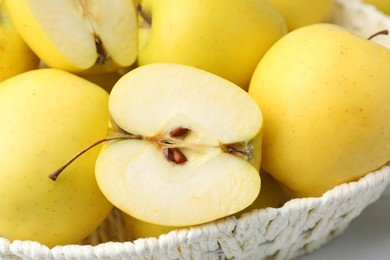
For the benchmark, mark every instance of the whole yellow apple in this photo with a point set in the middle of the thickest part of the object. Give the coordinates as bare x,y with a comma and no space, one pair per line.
271,195
46,117
142,229
299,13
227,38
381,5
104,80
15,55
325,100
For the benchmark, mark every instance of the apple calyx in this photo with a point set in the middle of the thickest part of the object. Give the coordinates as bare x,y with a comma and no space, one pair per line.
146,18
170,145
103,57
383,32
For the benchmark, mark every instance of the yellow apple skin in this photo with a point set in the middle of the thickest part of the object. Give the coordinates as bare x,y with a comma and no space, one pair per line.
227,38
299,13
142,229
271,195
381,5
106,80
325,121
46,117
15,55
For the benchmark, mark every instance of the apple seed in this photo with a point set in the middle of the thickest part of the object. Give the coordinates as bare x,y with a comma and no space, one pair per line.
175,155
179,132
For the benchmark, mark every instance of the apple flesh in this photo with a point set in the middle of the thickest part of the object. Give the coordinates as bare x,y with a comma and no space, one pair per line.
78,36
186,161
46,116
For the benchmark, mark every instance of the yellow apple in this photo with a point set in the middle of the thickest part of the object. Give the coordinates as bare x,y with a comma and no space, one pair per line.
271,195
227,38
324,94
78,36
381,5
142,229
47,116
15,55
299,13
104,80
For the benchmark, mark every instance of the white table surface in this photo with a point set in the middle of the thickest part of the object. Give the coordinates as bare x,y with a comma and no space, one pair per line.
367,237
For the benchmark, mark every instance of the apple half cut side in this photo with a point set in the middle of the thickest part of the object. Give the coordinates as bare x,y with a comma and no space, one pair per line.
78,36
187,158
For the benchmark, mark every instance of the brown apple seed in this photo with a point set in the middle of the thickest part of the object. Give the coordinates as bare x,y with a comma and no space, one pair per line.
179,132
175,155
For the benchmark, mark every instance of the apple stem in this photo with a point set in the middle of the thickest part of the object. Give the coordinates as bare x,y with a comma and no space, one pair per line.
53,176
383,32
143,15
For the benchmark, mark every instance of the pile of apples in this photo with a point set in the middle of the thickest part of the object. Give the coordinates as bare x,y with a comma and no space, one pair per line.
179,112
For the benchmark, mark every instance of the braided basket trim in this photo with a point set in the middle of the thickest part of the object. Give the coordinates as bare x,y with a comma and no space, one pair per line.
300,226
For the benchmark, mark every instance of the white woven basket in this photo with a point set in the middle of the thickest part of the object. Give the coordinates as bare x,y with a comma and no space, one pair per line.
300,226
361,19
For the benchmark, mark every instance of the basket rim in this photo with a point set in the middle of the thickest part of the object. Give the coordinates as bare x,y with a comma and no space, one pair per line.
185,235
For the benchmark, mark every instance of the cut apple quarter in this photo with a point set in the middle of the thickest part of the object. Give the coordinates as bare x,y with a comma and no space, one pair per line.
183,153
78,35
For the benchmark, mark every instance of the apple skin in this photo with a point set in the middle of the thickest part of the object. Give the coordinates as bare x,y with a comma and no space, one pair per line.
227,38
300,13
15,55
46,117
271,195
325,122
106,80
381,5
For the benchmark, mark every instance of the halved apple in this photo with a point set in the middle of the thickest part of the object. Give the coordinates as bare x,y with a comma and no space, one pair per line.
78,36
184,146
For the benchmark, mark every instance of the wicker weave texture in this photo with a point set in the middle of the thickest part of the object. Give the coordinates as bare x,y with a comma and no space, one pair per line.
298,227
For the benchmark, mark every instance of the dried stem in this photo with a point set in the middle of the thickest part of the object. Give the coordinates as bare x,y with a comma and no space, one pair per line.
55,174
383,32
170,146
146,18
